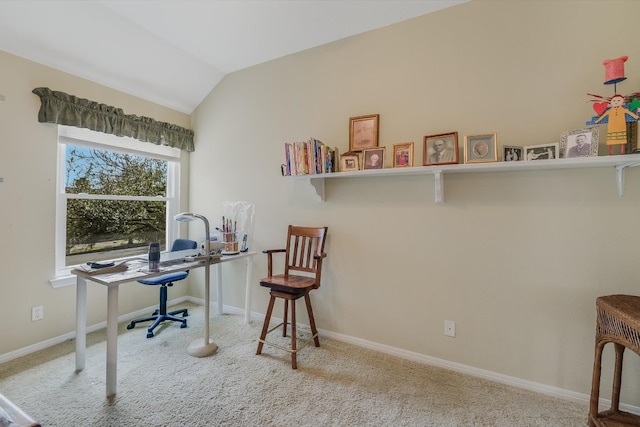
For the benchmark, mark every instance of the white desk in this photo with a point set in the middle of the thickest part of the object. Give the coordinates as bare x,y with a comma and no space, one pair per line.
136,272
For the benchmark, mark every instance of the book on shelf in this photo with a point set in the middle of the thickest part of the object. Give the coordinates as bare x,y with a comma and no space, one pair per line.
309,157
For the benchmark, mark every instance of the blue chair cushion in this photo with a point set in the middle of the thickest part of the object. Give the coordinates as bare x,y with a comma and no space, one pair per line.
167,278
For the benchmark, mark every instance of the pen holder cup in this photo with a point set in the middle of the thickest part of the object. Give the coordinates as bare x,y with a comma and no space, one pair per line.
230,241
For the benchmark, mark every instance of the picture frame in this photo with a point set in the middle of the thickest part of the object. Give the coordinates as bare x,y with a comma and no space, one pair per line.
403,155
349,163
579,143
440,149
542,151
512,153
363,132
481,148
374,158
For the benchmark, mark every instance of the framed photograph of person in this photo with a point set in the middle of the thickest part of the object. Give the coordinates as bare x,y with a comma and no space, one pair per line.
441,149
481,148
511,153
403,155
542,151
579,143
363,132
374,158
349,162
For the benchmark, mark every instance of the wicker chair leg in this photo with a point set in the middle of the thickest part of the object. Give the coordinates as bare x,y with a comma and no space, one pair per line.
617,377
595,384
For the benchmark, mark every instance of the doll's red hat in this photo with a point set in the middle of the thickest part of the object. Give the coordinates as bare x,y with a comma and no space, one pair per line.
614,70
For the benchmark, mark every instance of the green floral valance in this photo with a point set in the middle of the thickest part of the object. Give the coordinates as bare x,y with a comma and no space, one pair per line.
64,109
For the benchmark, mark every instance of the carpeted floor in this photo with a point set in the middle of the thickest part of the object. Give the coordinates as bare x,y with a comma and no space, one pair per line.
337,384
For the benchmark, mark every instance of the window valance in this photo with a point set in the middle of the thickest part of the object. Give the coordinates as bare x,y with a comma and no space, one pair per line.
64,109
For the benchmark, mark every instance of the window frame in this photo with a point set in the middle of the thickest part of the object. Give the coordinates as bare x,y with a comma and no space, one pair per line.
91,139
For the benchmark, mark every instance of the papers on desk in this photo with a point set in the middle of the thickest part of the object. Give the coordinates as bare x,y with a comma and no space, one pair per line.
116,268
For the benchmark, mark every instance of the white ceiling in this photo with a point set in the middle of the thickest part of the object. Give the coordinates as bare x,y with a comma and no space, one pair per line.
174,52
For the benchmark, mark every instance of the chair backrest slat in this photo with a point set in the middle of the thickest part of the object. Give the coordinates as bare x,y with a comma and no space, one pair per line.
303,245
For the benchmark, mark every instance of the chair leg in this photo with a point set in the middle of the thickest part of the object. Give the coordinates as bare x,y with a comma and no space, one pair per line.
183,311
294,352
160,315
595,384
265,325
617,377
312,321
284,321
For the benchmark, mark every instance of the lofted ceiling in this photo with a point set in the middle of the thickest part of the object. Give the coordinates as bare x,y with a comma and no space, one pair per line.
174,52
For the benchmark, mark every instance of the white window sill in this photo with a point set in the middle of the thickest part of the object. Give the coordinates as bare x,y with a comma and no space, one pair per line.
63,281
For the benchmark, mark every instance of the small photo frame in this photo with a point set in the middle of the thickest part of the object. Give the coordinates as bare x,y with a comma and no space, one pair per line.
403,155
481,148
542,151
374,158
363,132
511,153
579,143
349,162
441,149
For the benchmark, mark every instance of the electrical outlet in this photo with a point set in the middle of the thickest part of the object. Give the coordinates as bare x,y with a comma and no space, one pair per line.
37,313
450,328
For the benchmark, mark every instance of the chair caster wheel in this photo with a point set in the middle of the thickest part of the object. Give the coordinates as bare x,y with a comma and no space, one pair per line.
131,326
184,325
149,334
186,313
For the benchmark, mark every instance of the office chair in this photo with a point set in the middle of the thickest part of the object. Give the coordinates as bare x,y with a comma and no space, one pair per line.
304,253
160,315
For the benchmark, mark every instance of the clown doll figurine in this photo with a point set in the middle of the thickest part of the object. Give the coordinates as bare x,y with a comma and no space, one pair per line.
613,111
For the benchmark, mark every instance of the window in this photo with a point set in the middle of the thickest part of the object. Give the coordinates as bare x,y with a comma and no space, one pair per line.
115,196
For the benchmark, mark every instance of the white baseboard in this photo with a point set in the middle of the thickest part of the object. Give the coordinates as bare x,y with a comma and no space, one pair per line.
71,335
404,354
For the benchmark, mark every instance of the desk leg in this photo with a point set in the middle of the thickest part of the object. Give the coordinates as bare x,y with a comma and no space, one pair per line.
219,287
81,322
112,339
247,292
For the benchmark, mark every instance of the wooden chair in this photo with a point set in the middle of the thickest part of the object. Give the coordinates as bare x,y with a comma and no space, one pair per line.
304,254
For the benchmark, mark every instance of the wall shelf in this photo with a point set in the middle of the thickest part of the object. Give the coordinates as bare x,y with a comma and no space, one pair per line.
620,163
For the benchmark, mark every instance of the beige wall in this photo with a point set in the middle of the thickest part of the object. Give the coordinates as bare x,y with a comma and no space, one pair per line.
27,200
516,259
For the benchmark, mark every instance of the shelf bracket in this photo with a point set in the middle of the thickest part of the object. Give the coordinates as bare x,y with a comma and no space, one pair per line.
318,185
620,176
439,188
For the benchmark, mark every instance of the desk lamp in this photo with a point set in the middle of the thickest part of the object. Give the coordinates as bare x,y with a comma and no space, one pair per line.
201,347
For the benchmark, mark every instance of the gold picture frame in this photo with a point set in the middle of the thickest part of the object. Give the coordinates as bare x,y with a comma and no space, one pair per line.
440,149
374,158
403,155
481,148
349,163
363,132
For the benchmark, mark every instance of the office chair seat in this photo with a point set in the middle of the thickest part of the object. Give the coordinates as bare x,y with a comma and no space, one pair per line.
171,277
160,315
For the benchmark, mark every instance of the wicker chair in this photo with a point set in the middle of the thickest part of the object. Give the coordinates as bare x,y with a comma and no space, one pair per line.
304,254
618,322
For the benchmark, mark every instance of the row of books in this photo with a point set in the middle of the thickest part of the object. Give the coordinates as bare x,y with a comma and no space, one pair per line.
309,157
